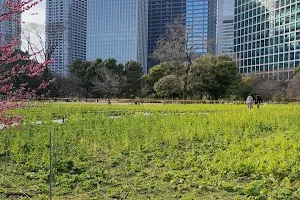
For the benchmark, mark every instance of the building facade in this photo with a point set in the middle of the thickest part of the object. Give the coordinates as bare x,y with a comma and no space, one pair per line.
200,17
225,33
10,29
118,29
66,32
267,37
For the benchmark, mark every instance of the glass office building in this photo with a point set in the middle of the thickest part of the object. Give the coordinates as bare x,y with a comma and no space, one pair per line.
200,16
10,29
267,37
118,29
225,36
66,32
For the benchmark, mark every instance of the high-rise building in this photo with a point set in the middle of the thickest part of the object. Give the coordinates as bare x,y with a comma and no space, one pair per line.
118,29
11,28
200,17
267,37
225,30
66,32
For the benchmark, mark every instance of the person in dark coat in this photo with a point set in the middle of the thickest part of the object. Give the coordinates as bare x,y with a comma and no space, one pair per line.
258,100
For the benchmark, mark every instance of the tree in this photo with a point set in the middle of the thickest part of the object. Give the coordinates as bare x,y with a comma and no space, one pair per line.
133,73
293,88
169,86
31,82
14,94
109,78
213,76
110,85
148,80
227,77
102,67
33,35
84,72
178,47
178,44
35,40
296,71
171,47
63,87
269,88
262,86
111,64
201,77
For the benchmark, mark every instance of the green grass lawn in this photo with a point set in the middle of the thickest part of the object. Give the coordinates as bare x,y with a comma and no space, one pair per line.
153,152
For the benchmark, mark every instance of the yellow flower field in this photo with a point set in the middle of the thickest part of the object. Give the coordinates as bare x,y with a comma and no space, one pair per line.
153,152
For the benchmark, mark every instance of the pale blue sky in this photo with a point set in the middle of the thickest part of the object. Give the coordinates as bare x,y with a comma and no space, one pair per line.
40,18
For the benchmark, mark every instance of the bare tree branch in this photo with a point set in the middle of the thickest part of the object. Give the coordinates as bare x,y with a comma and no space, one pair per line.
110,85
179,44
34,39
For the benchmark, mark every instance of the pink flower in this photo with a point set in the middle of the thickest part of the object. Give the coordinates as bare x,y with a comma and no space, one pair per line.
13,95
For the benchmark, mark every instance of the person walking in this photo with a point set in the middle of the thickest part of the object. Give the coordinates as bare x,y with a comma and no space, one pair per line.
258,100
249,101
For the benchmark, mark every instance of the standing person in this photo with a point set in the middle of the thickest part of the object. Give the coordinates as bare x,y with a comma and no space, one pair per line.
249,101
258,100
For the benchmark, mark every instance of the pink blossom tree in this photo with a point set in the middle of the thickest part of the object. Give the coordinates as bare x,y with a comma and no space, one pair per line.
13,92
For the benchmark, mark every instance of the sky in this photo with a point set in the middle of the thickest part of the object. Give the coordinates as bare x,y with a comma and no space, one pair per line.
39,18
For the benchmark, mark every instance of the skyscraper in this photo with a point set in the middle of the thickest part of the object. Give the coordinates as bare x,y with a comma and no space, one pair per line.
66,32
267,37
118,29
225,34
11,28
200,16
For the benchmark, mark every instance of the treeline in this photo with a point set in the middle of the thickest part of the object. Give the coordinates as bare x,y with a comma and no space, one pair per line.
106,78
206,77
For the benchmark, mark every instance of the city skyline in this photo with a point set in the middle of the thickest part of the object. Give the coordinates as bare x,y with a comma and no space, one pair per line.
189,4
286,60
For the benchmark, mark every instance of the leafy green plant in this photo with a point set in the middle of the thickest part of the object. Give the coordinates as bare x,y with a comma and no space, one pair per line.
176,152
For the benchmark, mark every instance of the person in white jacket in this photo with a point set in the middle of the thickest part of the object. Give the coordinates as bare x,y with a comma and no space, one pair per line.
249,101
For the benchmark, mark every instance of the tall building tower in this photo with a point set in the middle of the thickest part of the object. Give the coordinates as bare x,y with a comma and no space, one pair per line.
118,29
225,33
200,16
66,32
267,37
10,29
